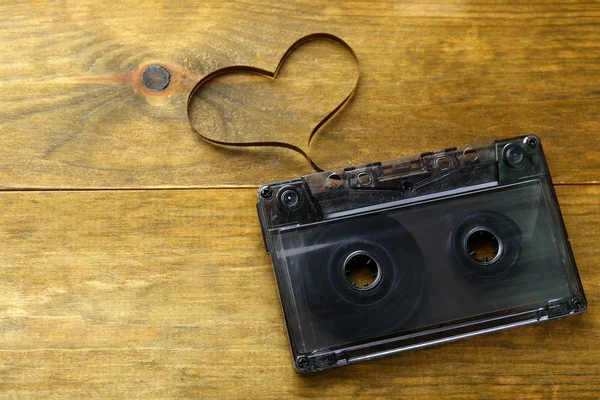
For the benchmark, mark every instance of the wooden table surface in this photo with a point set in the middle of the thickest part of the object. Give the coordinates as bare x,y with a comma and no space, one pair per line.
132,263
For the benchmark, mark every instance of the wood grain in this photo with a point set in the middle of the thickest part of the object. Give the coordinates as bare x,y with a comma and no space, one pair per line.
153,290
434,74
170,294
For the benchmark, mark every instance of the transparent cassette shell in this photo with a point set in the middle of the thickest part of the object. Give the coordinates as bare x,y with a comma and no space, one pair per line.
386,257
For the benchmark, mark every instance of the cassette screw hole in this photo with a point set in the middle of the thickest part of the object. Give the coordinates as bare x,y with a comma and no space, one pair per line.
483,246
266,192
361,271
578,304
406,186
302,363
532,142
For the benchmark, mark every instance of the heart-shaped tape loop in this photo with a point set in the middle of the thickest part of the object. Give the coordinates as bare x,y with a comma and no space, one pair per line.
273,75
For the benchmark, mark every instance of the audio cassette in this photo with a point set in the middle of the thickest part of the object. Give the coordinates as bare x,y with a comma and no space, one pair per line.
396,255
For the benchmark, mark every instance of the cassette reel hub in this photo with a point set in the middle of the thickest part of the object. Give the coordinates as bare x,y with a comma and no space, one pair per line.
486,243
362,271
483,245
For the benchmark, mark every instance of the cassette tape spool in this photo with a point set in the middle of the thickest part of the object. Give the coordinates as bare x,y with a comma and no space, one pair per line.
386,257
488,229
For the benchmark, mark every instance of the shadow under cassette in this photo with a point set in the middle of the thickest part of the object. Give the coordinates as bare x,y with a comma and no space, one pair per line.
391,256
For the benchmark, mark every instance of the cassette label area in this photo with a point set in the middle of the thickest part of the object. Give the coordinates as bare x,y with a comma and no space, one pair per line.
390,256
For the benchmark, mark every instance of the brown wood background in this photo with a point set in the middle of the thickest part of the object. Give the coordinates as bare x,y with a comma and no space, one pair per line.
132,264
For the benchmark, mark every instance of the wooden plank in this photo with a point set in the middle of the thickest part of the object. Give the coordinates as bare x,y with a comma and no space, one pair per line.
73,112
169,294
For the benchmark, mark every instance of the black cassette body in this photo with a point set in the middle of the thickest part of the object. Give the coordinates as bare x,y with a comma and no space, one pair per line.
391,256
